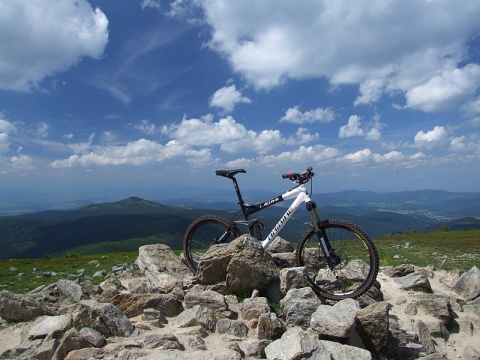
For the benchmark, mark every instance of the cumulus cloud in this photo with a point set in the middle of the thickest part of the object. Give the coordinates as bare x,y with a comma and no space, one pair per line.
397,46
6,128
227,98
355,127
453,86
295,116
430,138
40,38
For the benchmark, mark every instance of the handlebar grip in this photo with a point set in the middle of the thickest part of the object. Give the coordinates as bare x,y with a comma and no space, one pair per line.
288,176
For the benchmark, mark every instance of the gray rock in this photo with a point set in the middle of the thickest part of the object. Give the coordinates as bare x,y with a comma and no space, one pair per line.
197,315
280,245
373,325
70,289
468,285
399,271
270,327
14,307
414,281
296,343
49,325
162,342
252,308
71,340
435,305
424,336
163,269
254,347
292,278
339,351
217,354
92,337
241,267
333,321
104,317
299,305
208,298
232,327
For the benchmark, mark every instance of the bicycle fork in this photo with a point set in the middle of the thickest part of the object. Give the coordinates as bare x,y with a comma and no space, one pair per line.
328,251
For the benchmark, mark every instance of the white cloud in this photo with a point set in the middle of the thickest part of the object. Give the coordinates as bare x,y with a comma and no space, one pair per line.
370,91
42,37
6,128
23,162
227,97
384,46
430,138
295,116
355,127
78,148
453,86
360,156
146,127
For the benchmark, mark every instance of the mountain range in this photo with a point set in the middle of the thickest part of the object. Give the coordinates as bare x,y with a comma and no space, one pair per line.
129,223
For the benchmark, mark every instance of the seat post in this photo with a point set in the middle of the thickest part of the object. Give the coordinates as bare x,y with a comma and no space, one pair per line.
239,195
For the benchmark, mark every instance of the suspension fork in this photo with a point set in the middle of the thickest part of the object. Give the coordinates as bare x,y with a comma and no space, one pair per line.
329,253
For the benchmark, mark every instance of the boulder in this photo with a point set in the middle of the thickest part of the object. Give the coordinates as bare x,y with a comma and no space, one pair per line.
134,304
238,265
15,307
333,321
414,281
468,284
299,305
208,298
252,308
163,269
373,325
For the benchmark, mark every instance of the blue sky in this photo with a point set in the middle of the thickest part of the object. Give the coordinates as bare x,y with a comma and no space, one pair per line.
133,97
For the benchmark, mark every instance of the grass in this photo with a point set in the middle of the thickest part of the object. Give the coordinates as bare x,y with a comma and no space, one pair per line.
443,249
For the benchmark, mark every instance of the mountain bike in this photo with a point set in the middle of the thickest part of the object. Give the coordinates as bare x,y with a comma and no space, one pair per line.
340,258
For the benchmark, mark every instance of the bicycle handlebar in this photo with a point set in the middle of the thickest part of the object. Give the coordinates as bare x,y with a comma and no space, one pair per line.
300,178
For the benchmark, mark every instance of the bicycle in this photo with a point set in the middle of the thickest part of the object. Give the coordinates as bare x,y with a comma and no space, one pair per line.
340,258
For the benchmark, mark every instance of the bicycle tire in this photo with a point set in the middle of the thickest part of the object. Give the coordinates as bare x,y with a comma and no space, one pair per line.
200,236
358,267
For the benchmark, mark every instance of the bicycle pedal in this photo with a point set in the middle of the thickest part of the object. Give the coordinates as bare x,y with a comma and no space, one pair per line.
248,240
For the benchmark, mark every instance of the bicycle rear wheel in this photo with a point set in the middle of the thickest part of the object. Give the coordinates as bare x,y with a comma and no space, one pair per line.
203,233
358,265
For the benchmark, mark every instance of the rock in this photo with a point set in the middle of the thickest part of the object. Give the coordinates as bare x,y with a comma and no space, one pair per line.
435,305
134,304
232,327
104,317
280,245
92,336
254,347
270,327
15,307
468,285
252,308
162,267
71,340
292,278
197,315
424,336
295,343
70,289
399,271
240,267
162,342
299,305
372,325
50,325
208,298
414,281
339,351
333,321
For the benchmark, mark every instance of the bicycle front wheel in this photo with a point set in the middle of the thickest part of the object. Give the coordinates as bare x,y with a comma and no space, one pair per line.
358,263
203,233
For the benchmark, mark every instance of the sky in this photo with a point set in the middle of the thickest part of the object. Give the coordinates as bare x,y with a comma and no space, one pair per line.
138,96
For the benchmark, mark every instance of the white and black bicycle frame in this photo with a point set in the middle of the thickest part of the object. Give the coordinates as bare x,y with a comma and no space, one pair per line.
300,194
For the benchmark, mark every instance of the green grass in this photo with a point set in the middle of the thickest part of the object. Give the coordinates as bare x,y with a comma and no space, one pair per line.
33,271
443,249
461,248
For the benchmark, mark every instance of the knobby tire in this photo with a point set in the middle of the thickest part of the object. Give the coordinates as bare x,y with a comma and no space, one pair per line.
201,234
358,267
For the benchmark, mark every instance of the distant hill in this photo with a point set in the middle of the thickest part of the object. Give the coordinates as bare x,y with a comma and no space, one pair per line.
34,234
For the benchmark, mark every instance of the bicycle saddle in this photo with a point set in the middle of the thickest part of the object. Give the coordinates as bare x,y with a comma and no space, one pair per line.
229,173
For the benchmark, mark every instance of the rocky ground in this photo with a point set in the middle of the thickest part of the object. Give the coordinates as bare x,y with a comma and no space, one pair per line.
157,310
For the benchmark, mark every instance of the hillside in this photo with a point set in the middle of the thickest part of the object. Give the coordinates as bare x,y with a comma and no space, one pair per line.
131,222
